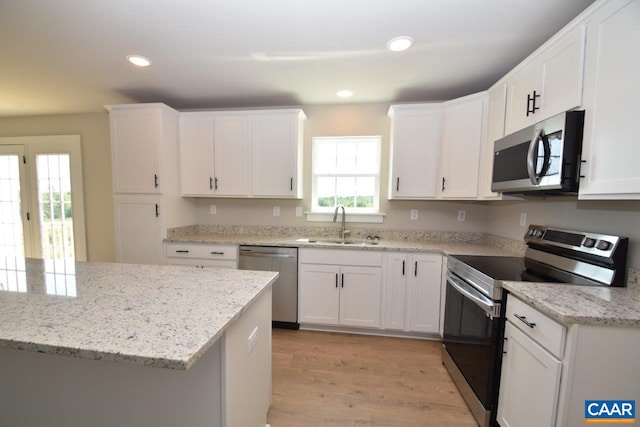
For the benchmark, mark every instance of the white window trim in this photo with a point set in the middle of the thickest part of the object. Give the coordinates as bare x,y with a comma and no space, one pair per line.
365,215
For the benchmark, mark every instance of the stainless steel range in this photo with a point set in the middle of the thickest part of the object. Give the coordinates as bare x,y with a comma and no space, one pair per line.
474,321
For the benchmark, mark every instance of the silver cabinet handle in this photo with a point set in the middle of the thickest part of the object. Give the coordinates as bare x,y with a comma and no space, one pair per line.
524,320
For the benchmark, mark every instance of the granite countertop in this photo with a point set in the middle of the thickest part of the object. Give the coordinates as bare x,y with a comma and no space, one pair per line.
590,305
160,316
446,247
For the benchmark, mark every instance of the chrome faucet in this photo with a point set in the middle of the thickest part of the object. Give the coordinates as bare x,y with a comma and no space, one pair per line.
343,233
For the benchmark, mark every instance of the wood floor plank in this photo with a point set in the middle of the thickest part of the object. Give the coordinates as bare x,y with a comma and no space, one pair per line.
329,379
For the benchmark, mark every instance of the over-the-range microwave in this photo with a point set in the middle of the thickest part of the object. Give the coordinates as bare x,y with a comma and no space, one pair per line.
543,158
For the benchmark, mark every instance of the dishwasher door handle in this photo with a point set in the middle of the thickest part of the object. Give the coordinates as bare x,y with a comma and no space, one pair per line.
265,254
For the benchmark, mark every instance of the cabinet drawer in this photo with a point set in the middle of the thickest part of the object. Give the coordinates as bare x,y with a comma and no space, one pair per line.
341,257
203,263
201,251
541,328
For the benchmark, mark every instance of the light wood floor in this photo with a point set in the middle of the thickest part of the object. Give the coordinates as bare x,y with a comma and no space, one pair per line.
327,379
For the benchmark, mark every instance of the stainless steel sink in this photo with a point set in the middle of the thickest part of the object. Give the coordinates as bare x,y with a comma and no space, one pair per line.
340,242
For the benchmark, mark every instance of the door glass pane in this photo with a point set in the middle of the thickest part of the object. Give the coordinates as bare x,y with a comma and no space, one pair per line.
12,269
54,199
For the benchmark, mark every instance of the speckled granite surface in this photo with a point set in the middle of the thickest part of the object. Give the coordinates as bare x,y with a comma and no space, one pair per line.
448,243
591,305
161,316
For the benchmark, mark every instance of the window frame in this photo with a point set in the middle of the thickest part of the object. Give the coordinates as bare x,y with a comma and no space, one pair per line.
315,208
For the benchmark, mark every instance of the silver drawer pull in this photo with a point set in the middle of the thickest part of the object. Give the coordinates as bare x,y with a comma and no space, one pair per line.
523,319
217,253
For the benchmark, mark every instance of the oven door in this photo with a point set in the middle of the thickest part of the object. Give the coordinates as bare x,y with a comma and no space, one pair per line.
472,329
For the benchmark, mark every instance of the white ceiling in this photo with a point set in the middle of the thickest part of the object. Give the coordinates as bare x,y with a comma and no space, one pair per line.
67,56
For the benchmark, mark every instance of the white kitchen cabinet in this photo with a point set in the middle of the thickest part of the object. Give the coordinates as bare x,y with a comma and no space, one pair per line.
139,227
415,150
250,153
546,83
462,133
610,147
412,292
202,255
340,287
529,383
494,130
550,369
276,154
196,154
146,184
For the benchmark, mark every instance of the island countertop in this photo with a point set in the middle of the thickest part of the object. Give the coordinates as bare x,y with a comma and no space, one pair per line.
160,316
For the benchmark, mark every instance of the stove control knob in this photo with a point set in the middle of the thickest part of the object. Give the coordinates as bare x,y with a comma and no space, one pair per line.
603,245
589,242
539,233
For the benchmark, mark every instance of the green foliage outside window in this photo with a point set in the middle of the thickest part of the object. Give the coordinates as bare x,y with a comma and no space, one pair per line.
57,208
346,201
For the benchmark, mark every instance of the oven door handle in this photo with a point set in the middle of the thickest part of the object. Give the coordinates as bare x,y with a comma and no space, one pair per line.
468,291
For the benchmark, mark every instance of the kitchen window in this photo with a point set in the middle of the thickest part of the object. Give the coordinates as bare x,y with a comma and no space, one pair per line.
346,171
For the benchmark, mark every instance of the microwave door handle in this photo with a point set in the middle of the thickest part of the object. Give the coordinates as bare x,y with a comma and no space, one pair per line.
532,157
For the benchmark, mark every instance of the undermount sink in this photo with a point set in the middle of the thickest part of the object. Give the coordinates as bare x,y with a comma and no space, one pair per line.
340,242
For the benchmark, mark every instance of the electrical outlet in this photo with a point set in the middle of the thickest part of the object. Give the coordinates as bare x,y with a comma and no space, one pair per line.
462,215
252,340
299,211
213,210
523,219
276,211
414,214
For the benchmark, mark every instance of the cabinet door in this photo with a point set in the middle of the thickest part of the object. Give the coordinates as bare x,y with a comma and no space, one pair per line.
395,294
136,140
319,298
360,296
275,145
519,87
415,153
561,69
610,147
138,230
461,143
231,155
196,155
424,297
529,383
496,109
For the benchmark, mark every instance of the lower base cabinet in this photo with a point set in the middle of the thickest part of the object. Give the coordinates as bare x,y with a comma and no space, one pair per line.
412,292
550,370
340,287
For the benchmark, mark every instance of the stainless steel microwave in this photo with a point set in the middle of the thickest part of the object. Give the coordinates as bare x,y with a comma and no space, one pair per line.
543,158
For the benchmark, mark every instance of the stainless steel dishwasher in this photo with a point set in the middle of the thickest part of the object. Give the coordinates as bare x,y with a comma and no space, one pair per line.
285,289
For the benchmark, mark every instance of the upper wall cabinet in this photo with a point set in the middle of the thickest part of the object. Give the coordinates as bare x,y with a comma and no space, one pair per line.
276,154
462,135
547,83
138,133
610,147
415,150
494,130
241,153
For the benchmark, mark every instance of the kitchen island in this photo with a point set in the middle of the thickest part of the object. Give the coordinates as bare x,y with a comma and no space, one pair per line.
118,344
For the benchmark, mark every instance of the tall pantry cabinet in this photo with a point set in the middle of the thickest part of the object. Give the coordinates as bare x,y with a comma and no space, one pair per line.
146,181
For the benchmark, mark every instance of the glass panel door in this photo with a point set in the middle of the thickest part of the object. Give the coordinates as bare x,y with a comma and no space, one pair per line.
55,206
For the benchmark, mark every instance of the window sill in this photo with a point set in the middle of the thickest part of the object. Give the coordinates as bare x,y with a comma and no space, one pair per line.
373,217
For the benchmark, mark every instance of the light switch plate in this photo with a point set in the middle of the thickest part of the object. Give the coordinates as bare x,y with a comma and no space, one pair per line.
523,219
299,211
414,214
276,211
213,210
462,215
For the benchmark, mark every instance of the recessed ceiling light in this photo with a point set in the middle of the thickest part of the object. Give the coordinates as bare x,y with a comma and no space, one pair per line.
139,61
346,93
398,44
